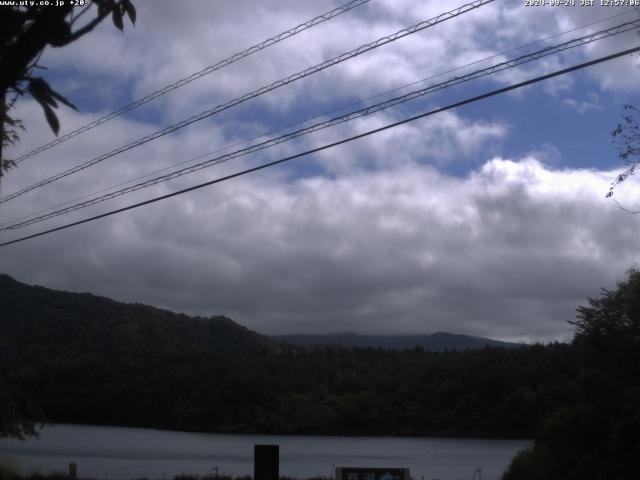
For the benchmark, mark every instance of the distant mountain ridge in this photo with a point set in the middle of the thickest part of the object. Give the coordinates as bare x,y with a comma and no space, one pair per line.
435,342
37,323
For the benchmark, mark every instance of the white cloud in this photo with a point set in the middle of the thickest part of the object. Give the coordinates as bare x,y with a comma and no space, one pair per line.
592,103
378,238
170,42
509,251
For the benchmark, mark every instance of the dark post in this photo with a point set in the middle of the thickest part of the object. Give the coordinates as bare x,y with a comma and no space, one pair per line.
73,471
266,462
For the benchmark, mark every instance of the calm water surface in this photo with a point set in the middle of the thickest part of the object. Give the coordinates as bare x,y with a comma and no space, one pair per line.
116,453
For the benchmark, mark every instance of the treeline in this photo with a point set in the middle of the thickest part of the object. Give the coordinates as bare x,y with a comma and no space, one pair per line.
581,402
37,323
492,392
594,434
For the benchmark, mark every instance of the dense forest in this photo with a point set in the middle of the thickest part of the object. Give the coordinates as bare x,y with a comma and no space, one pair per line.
485,393
594,434
580,401
38,323
89,359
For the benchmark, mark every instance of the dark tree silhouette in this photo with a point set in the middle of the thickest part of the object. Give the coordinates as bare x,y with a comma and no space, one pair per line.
20,413
626,138
596,435
25,31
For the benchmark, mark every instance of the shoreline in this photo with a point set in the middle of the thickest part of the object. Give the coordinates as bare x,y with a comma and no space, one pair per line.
291,435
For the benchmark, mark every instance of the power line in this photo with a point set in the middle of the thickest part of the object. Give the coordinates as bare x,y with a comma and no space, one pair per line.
206,71
57,209
576,42
343,107
292,78
334,144
333,110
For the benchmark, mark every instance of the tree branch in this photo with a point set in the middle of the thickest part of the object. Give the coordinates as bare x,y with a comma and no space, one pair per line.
84,10
88,27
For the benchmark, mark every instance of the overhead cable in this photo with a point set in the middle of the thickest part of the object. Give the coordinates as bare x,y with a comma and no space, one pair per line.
206,71
292,78
331,145
576,42
302,122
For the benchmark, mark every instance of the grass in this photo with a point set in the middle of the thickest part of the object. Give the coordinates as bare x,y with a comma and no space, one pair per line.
9,469
64,476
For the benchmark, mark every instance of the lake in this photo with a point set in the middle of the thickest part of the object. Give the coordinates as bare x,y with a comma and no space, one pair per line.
122,453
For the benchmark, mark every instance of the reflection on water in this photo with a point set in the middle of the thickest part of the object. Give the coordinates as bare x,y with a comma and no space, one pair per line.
114,452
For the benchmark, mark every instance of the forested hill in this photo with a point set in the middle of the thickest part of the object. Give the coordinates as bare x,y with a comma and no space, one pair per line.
38,323
435,342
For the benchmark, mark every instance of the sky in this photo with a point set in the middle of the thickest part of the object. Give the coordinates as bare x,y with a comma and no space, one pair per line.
489,219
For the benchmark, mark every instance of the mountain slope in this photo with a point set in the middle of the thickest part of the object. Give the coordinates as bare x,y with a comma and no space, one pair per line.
37,323
436,342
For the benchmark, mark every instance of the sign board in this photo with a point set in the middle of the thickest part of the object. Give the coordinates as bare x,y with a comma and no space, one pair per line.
365,473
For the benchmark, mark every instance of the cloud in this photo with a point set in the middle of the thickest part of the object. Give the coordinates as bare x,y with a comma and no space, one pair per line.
507,252
440,139
376,236
194,36
591,104
200,34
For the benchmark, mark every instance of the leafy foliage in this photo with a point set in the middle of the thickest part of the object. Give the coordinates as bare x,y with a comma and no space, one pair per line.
38,324
9,470
626,137
19,413
596,435
25,31
9,136
90,359
46,97
477,393
43,324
